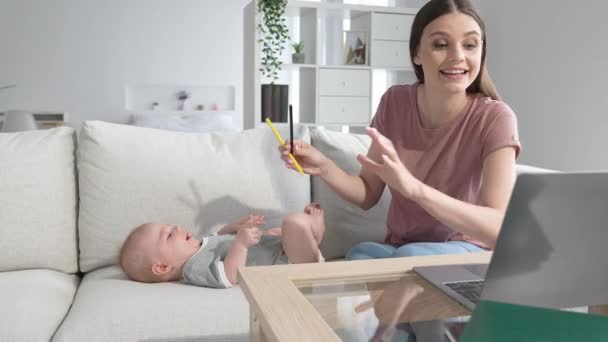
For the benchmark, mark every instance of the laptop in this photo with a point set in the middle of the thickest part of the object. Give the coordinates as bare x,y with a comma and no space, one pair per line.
551,251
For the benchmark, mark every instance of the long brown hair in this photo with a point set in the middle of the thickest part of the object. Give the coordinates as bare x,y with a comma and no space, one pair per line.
436,8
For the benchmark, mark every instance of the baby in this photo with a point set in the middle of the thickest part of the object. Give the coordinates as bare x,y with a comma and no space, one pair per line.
155,252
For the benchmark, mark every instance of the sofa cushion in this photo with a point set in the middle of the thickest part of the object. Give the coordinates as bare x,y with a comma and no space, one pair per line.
38,200
34,303
131,175
346,224
120,310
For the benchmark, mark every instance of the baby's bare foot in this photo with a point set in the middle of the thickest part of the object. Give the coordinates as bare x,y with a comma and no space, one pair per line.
317,216
313,208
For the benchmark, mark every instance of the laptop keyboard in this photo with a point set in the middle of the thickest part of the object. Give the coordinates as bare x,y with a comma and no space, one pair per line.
470,290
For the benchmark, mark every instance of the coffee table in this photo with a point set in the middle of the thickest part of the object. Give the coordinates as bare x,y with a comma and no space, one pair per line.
334,300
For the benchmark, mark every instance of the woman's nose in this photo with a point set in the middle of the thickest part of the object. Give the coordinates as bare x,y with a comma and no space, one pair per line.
456,53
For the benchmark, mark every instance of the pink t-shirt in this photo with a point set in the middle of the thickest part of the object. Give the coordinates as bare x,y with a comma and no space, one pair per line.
448,158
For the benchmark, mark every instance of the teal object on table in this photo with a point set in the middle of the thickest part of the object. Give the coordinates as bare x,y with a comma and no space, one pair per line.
498,322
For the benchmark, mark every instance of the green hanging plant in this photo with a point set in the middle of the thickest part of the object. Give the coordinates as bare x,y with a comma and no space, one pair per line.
274,35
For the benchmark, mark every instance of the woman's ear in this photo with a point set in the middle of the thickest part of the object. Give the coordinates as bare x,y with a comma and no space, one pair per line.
416,58
160,268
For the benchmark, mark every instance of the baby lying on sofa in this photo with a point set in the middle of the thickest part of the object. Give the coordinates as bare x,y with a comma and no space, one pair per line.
155,252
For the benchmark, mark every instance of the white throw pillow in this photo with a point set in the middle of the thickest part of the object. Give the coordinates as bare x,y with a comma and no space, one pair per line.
204,122
38,200
346,224
131,175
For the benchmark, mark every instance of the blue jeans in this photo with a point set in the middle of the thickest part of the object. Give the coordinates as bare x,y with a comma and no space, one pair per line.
375,250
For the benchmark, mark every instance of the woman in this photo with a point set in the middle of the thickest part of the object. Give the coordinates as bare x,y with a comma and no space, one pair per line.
445,146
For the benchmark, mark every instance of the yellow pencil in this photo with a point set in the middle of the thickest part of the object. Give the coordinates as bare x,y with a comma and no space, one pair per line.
276,134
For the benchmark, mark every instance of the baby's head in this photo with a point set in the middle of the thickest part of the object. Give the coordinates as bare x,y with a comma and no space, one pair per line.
156,252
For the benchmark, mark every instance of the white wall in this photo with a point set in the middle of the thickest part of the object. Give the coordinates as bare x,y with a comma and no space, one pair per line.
547,57
549,60
77,56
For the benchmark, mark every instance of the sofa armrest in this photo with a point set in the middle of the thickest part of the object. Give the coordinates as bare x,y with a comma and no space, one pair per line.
521,168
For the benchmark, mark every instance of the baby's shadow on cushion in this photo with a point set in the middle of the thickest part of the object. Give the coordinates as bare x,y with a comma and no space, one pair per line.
211,215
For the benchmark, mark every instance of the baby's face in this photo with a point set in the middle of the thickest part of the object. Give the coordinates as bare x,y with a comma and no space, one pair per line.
169,244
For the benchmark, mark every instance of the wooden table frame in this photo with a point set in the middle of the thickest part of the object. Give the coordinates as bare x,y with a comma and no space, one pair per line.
280,312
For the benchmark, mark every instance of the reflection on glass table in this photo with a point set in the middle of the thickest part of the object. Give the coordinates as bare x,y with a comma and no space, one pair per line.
387,310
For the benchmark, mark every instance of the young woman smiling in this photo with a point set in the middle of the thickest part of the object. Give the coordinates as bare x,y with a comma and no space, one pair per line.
445,146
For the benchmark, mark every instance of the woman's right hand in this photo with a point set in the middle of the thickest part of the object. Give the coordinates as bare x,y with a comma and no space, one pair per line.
312,161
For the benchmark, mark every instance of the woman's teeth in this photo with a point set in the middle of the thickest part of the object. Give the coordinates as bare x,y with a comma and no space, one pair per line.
454,72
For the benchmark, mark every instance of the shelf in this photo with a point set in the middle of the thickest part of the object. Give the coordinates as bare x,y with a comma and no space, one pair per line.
290,66
404,69
163,112
140,98
45,119
299,66
351,7
323,90
341,66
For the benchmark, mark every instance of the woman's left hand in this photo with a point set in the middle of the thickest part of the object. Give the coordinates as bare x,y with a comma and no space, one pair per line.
391,170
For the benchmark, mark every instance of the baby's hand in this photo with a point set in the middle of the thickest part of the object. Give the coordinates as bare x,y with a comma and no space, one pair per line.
250,221
273,232
248,236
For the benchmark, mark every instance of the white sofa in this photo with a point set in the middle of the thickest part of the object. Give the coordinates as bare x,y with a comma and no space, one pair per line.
64,211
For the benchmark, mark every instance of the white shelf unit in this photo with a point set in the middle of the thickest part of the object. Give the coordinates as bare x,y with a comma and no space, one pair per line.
325,90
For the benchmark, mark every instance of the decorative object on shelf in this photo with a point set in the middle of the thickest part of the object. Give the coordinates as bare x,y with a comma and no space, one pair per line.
215,106
274,35
200,107
182,97
275,99
18,120
298,56
154,106
355,47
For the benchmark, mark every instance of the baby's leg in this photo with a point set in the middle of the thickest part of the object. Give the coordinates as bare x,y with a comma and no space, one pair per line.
299,242
317,226
317,219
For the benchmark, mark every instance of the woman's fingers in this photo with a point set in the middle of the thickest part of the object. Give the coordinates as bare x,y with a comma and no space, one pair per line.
297,144
385,144
368,163
387,160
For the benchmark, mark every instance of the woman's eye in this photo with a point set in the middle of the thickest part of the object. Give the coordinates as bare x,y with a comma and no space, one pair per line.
470,46
440,45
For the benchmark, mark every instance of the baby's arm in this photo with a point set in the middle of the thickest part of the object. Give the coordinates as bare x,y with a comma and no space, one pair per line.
273,231
245,222
237,255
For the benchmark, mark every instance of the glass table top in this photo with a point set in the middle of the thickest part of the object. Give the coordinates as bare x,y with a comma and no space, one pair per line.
404,308
394,309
